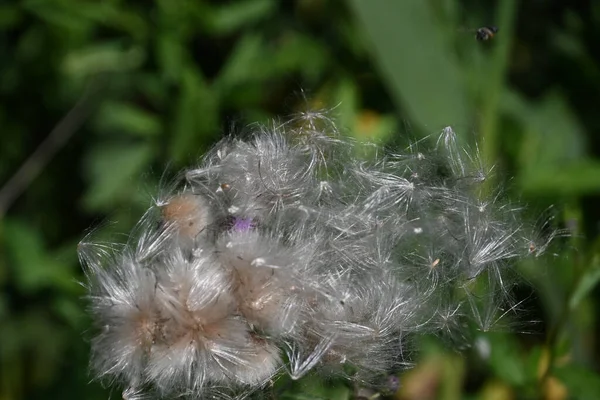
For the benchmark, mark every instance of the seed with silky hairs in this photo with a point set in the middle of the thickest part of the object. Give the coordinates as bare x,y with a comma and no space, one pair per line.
189,214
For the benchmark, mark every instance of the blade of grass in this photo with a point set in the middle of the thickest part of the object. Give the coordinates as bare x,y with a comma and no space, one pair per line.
412,51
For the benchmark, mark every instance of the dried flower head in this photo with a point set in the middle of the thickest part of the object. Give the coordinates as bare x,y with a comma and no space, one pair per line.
285,252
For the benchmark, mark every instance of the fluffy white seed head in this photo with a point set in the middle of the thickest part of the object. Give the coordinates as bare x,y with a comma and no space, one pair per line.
289,243
188,215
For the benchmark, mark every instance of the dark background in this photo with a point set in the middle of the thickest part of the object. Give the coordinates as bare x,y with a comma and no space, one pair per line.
97,98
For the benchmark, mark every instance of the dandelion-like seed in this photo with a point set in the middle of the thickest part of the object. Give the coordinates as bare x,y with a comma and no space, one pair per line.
284,246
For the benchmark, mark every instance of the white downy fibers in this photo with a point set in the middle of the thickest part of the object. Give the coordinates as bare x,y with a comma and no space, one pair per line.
285,252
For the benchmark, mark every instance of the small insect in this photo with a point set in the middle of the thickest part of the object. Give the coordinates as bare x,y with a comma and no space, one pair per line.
486,33
482,34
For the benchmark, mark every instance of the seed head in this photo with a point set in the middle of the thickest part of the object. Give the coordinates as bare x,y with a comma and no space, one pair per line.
286,243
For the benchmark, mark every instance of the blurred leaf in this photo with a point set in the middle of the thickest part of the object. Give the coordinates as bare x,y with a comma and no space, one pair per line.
86,14
569,44
47,341
107,57
298,53
171,56
494,390
231,17
112,170
182,18
575,178
242,65
126,118
586,283
255,63
453,376
111,14
30,45
581,383
422,73
70,310
153,89
553,134
10,16
505,359
195,119
313,387
424,380
4,307
60,13
345,98
375,127
31,266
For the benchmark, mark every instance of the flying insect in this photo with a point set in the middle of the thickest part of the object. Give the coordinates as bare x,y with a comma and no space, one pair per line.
486,33
482,34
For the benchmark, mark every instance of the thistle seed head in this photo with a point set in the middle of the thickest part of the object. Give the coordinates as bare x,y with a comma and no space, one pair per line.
287,243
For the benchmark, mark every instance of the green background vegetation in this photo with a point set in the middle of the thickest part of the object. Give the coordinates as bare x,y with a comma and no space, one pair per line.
140,85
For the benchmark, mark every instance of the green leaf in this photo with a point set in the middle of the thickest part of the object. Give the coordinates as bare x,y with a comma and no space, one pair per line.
506,358
575,178
297,53
32,267
70,310
59,13
106,57
172,56
553,133
314,388
113,170
10,16
109,14
345,95
243,65
581,383
422,71
587,282
196,117
4,307
230,18
121,117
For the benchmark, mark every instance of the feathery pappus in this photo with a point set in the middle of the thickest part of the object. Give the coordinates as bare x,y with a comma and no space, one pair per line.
284,253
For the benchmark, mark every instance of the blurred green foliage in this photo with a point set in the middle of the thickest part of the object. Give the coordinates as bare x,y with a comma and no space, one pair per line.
152,84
